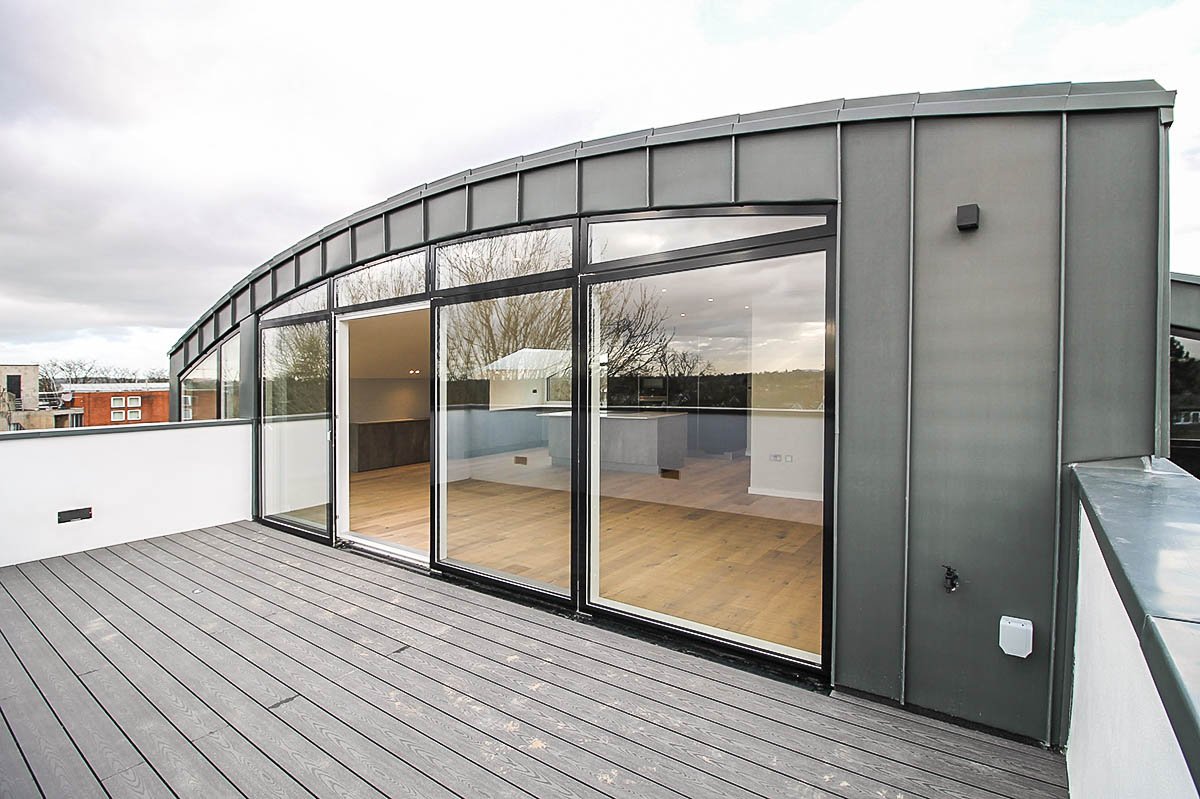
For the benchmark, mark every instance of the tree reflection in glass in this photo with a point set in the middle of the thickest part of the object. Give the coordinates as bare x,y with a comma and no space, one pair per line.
397,276
295,430
501,257
707,448
505,422
198,390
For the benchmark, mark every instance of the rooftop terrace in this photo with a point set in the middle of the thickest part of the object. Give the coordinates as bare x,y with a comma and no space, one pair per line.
240,660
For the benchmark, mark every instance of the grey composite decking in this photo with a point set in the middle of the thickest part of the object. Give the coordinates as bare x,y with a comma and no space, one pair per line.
241,661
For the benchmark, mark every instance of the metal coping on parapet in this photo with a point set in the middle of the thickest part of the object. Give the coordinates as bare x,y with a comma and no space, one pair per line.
1061,97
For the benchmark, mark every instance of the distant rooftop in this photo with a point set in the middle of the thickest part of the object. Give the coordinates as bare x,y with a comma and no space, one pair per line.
100,388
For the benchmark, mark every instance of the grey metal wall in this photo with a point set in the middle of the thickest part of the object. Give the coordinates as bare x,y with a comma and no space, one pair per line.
984,415
952,456
1112,247
873,406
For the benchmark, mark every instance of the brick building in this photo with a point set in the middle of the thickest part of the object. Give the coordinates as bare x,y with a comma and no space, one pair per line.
117,403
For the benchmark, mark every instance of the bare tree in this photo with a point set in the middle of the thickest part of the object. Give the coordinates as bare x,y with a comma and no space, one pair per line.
118,374
155,374
70,370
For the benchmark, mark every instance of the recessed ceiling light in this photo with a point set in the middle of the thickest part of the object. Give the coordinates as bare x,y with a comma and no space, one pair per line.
683,314
710,299
747,307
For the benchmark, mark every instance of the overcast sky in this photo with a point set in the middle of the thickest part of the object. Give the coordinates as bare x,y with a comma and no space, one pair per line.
152,153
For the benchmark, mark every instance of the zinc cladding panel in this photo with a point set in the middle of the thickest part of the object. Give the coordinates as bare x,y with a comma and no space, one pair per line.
308,264
1111,285
872,406
262,291
613,182
548,192
405,228
178,359
984,410
788,165
337,251
224,318
247,398
285,277
368,239
494,202
696,173
446,214
241,304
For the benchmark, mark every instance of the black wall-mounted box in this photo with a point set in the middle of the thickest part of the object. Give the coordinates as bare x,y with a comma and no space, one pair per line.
75,515
968,217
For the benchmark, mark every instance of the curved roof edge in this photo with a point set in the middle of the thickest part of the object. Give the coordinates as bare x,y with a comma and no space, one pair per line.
1032,98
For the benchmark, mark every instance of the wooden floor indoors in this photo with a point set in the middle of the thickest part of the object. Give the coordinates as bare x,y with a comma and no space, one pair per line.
241,661
698,548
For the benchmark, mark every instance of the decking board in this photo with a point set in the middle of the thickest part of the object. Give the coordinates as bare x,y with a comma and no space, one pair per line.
708,689
242,660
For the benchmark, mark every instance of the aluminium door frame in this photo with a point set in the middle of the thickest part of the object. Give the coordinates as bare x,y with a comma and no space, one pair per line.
532,284
340,424
816,239
311,532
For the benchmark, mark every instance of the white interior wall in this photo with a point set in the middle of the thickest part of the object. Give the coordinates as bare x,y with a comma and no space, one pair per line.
799,436
1121,742
140,482
388,399
517,393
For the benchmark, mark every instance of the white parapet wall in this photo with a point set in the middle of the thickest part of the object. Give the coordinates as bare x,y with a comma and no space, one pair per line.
1121,743
139,481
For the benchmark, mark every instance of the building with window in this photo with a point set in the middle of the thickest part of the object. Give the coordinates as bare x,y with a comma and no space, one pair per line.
799,384
117,403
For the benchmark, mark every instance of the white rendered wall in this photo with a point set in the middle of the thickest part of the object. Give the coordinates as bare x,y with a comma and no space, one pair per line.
140,482
1121,743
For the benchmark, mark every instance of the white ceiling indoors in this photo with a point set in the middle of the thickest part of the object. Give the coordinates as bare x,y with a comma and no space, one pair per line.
389,346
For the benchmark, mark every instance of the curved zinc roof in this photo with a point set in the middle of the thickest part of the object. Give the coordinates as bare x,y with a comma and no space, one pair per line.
549,184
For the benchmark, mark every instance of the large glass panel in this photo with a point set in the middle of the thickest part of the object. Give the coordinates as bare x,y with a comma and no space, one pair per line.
1185,388
707,425
295,423
198,390
231,375
384,439
500,257
611,241
504,378
315,299
397,276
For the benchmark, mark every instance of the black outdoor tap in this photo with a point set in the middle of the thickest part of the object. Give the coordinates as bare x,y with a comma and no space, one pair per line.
950,579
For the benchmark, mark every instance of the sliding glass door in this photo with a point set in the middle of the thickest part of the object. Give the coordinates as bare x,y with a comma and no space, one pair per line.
504,437
707,448
294,441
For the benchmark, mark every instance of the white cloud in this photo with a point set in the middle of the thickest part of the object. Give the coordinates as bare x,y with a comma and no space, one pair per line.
154,153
